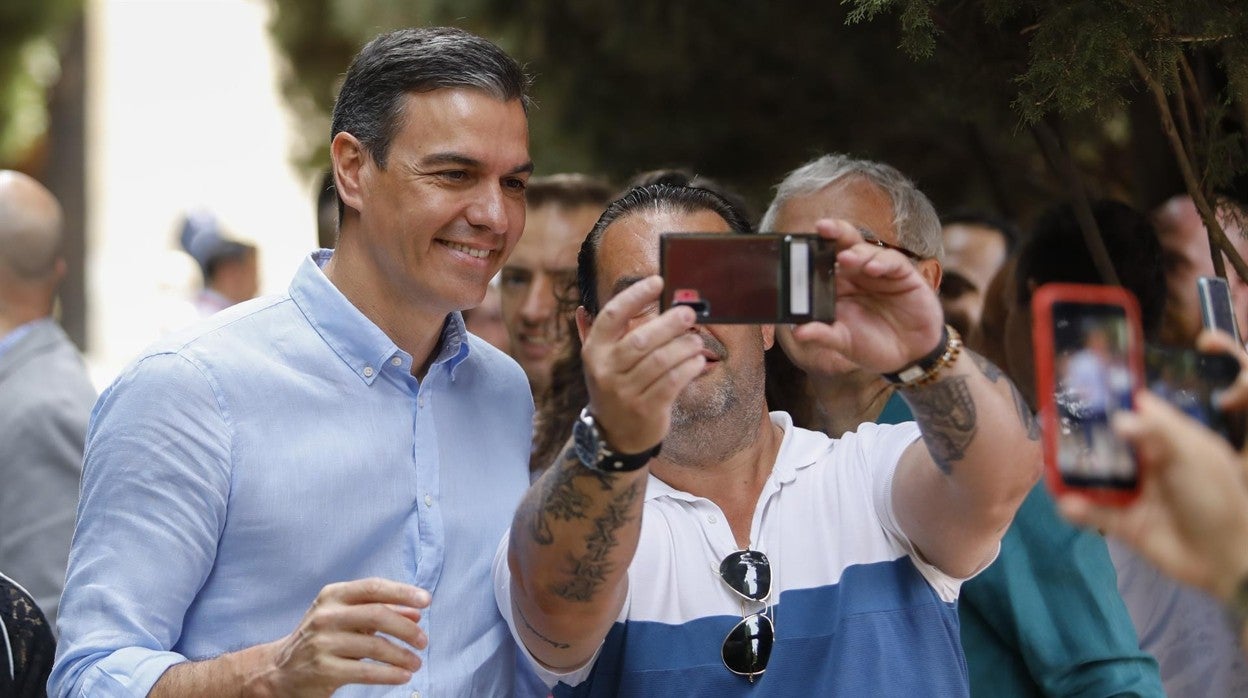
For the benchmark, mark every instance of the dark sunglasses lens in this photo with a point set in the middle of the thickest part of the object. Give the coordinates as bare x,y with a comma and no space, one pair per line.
748,573
748,647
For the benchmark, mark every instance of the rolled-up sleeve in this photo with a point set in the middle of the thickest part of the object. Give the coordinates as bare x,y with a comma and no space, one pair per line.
156,484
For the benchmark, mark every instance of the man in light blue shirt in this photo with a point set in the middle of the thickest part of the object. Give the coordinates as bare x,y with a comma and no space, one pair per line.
303,493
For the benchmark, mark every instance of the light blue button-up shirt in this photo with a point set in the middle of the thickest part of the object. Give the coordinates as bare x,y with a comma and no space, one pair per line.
238,467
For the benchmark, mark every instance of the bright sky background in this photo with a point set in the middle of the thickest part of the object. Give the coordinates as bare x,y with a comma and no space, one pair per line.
183,112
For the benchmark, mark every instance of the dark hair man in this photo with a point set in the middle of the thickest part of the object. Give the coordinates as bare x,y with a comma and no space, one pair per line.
976,245
746,555
542,269
45,395
303,476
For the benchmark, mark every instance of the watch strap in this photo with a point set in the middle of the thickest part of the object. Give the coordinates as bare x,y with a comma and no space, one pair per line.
926,369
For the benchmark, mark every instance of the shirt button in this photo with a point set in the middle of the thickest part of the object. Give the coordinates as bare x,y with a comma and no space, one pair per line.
428,500
396,361
712,519
368,371
415,694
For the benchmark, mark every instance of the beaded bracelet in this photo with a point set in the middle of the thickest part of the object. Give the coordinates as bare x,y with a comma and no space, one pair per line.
926,369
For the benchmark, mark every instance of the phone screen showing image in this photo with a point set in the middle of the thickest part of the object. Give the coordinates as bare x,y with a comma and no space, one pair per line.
1093,379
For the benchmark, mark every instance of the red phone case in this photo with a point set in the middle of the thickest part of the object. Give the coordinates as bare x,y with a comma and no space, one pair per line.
1043,341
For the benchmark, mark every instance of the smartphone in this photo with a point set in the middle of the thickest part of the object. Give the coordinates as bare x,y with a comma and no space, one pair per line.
1192,381
1216,311
749,278
1089,365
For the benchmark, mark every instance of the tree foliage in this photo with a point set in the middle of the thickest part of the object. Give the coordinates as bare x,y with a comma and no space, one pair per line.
994,103
29,34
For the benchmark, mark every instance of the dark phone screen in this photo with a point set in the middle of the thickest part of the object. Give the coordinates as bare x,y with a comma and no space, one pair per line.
1092,380
737,276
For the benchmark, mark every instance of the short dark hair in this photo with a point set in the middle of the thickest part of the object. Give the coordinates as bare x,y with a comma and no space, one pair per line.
1056,251
656,197
567,189
969,216
371,103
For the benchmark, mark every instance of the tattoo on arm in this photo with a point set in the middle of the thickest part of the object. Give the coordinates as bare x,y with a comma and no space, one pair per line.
559,499
989,369
590,570
946,414
543,638
1025,415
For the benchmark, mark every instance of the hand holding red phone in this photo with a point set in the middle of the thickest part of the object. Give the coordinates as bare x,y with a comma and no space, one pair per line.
1191,517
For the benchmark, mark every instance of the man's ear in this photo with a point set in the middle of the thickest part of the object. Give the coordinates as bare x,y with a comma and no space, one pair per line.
769,336
931,271
349,161
584,321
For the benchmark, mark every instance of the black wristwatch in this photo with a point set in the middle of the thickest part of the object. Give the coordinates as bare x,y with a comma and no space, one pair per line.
594,452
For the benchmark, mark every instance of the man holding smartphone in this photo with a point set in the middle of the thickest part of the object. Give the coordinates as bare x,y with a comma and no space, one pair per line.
1087,640
689,538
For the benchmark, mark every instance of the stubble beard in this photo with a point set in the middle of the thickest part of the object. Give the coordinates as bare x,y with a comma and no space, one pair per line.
710,426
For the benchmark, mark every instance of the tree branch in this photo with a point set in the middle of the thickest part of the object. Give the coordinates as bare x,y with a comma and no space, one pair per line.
1059,158
1217,238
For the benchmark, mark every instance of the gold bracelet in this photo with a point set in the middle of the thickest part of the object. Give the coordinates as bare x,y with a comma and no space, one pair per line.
927,369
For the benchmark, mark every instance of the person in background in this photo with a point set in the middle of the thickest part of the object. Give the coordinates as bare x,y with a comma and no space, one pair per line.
486,320
542,270
45,395
1056,628
1185,250
300,495
1183,629
230,268
975,245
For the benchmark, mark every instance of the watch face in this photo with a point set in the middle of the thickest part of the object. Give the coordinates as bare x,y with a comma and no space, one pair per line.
585,441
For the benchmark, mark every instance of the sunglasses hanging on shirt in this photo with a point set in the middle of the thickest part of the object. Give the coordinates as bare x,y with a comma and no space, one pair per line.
748,645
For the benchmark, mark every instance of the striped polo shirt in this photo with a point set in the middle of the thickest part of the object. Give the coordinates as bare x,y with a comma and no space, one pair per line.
856,611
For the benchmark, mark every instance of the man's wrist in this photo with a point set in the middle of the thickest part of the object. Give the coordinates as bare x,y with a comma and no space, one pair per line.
929,367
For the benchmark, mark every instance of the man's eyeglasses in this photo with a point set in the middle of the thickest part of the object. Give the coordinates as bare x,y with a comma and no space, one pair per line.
748,645
871,239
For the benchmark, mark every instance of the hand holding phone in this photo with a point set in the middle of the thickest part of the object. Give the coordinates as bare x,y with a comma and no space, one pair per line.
1089,365
761,278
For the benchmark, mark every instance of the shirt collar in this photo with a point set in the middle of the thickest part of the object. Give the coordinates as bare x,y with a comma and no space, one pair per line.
799,449
17,334
358,341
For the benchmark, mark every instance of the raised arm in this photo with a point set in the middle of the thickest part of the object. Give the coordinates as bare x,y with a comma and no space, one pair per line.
576,530
956,490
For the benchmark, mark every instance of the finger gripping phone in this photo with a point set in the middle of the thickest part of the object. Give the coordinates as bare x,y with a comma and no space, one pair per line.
758,278
1089,365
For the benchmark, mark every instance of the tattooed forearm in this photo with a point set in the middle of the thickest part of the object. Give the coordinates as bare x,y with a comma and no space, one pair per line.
543,638
1025,415
560,499
590,570
946,414
989,369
